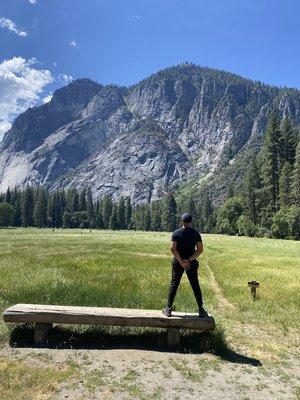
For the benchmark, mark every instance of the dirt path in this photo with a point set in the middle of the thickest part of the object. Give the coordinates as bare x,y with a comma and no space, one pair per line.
218,291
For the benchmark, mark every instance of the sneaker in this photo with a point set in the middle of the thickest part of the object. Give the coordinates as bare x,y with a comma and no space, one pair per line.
203,313
166,311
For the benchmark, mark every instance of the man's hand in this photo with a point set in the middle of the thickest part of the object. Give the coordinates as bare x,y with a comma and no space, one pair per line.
185,263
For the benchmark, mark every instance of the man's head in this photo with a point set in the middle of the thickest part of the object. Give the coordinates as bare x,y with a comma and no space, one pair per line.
186,219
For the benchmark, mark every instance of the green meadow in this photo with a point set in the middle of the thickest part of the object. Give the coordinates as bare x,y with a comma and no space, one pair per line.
132,269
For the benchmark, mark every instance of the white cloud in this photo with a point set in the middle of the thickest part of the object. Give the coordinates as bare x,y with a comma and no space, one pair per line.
32,1
20,86
73,43
67,78
136,17
55,64
4,127
48,98
6,23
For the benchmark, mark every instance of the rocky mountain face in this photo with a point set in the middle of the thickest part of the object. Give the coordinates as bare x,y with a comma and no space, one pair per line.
181,123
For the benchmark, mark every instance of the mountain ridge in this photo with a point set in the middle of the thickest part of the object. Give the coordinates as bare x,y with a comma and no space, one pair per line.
139,141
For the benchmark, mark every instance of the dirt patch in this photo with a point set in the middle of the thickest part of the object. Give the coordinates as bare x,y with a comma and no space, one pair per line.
150,374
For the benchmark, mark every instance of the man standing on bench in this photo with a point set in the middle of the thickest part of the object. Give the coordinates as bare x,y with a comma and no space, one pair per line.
187,246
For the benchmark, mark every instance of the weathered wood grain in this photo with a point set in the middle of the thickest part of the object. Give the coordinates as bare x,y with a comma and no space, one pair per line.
38,313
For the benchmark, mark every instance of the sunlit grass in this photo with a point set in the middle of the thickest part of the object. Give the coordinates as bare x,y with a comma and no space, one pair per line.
132,269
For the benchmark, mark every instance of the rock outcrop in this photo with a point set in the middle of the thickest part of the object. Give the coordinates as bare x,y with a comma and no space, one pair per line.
182,122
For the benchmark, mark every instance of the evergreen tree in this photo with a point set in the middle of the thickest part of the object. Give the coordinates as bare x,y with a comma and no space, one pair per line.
54,210
296,178
106,210
169,213
270,168
128,213
75,201
121,213
113,220
252,187
40,208
82,200
285,185
156,216
288,142
8,196
147,218
90,208
16,202
27,206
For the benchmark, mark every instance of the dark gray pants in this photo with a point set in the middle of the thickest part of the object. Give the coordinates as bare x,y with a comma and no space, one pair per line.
192,275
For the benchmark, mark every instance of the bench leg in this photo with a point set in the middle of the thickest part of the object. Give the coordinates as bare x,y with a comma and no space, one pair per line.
41,332
173,336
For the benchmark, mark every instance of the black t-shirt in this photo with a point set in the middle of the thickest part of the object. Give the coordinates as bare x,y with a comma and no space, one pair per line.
186,239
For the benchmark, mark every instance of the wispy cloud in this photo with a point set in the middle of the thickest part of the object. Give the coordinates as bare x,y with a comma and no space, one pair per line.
21,86
6,23
73,43
136,17
32,1
67,78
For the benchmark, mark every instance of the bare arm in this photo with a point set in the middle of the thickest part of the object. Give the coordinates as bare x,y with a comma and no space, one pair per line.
182,262
199,250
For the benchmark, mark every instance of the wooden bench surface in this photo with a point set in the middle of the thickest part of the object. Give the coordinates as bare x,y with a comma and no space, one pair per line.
38,313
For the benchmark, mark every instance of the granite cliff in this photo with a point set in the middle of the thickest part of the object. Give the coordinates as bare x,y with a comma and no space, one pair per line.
183,122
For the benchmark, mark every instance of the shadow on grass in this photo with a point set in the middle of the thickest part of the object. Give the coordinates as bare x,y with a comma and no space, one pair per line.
66,337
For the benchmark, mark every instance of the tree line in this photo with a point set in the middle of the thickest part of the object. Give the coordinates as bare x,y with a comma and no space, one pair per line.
72,208
266,204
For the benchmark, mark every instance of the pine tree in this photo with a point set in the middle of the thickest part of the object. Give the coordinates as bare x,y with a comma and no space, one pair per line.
82,200
90,208
156,216
285,185
121,213
8,196
147,218
296,178
128,213
27,206
16,202
74,207
106,210
252,187
40,208
54,210
113,220
287,143
270,167
169,213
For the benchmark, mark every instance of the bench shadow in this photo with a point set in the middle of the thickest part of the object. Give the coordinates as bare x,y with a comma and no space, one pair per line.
95,338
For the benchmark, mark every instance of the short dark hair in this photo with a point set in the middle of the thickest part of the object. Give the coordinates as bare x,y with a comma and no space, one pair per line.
186,217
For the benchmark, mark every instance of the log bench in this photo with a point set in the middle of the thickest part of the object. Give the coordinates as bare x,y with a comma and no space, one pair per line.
44,316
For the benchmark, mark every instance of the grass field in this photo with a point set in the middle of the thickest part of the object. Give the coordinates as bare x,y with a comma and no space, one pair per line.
132,269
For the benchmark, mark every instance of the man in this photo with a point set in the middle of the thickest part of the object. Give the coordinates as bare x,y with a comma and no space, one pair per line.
186,247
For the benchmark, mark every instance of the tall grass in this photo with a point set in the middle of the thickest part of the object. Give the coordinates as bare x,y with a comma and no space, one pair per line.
132,269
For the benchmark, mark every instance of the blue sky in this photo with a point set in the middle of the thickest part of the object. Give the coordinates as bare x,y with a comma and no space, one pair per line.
123,41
